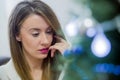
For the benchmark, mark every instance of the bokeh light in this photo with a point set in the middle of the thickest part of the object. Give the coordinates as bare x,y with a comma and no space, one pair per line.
107,68
100,46
88,22
91,32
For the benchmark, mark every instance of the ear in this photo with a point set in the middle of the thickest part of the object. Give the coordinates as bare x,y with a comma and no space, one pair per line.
18,38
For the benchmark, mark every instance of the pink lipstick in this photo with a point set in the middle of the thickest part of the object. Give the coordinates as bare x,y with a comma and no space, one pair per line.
44,50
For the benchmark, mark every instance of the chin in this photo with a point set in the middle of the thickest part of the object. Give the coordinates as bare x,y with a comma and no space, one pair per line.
42,56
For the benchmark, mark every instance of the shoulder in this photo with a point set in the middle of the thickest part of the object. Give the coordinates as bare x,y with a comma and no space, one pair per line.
3,71
4,67
8,72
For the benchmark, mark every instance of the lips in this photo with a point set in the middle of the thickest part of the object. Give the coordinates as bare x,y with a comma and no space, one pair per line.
44,50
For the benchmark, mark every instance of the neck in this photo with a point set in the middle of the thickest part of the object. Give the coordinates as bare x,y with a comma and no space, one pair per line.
34,64
35,68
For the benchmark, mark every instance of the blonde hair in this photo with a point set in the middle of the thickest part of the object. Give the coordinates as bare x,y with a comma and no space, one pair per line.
19,14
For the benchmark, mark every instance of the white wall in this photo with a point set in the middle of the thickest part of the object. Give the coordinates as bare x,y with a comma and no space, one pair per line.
5,9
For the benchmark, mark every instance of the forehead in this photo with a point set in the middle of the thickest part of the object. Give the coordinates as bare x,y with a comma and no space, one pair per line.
35,21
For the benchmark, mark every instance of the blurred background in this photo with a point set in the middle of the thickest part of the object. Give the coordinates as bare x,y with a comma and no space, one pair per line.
93,29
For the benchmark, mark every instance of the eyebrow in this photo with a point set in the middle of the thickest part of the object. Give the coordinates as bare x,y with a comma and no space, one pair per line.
37,29
34,29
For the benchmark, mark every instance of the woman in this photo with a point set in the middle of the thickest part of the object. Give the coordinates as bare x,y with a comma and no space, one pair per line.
35,41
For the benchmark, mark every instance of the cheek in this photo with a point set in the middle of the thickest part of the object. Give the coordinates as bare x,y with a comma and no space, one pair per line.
50,39
27,41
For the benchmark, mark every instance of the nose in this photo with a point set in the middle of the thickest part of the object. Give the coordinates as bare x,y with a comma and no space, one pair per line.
44,39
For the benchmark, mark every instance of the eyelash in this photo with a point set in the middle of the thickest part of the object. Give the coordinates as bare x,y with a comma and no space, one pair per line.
49,31
35,34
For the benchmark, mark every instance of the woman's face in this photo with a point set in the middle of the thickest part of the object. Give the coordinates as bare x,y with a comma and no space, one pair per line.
36,37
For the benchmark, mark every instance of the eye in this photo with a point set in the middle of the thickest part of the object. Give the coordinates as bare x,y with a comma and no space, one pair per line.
49,31
35,34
